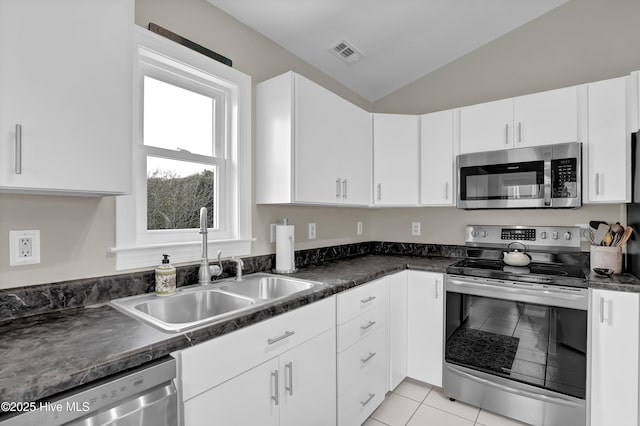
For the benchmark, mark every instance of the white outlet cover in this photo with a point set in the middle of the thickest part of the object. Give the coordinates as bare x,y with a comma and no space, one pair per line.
359,228
312,231
415,229
14,247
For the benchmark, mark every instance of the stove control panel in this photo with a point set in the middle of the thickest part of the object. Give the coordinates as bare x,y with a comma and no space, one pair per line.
559,237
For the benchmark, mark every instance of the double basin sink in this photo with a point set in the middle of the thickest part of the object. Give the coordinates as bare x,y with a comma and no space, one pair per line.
198,305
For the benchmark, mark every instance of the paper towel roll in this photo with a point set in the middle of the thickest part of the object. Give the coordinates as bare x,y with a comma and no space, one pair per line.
285,238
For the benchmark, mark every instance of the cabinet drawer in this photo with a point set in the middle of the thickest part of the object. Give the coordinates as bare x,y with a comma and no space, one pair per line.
356,405
211,363
367,357
361,326
361,299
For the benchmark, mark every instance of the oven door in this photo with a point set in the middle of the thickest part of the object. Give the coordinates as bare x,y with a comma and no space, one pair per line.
520,343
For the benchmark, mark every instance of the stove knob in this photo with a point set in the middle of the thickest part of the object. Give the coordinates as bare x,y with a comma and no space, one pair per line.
474,232
555,235
567,235
543,235
484,233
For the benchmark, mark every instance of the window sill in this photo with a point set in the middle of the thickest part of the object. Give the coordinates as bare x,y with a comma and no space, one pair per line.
151,255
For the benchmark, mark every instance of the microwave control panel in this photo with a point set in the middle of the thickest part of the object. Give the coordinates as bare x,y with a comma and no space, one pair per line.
564,178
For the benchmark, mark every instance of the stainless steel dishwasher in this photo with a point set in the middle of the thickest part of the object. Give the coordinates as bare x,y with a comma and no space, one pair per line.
144,396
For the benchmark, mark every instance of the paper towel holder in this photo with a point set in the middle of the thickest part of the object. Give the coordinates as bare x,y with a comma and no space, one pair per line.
293,269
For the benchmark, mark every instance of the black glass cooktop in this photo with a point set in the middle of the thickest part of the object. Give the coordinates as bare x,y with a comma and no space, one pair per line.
554,274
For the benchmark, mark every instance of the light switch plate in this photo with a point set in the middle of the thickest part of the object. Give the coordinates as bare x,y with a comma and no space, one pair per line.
24,247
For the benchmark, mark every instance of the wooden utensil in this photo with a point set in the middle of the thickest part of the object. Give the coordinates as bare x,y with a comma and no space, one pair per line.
625,236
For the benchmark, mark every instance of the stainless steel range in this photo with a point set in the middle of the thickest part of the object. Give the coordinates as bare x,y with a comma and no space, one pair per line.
516,336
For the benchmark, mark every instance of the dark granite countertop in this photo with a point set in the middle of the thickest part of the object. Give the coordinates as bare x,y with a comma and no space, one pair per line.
52,352
45,354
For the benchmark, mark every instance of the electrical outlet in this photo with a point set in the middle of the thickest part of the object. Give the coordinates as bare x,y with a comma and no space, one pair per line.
415,229
24,247
312,231
359,228
273,233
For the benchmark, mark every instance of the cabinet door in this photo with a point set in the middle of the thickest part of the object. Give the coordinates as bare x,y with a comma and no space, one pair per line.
398,300
66,79
395,159
608,168
425,327
247,399
308,383
546,118
437,159
486,127
319,120
614,358
354,152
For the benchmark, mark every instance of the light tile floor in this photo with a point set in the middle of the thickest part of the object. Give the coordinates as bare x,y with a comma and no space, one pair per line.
414,403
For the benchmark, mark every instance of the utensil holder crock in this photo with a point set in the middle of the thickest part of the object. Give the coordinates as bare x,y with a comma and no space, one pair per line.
607,258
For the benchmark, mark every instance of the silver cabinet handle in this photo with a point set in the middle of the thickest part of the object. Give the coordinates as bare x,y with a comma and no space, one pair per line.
289,366
368,326
519,132
274,397
602,310
437,282
338,188
506,134
18,149
597,183
284,336
368,358
371,396
368,299
379,191
344,188
446,190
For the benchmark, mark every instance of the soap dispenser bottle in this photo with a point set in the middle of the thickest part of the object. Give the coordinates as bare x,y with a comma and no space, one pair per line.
165,278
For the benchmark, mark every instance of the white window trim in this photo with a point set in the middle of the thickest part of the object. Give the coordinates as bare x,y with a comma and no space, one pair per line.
131,252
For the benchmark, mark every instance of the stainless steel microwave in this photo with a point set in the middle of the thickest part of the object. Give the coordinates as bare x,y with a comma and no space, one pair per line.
522,178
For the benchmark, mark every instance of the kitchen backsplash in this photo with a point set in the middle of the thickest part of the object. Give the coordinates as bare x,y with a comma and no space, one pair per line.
19,302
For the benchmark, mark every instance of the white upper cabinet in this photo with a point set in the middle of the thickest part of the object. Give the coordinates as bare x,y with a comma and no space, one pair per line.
396,141
546,118
437,159
66,103
607,177
312,146
486,127
538,119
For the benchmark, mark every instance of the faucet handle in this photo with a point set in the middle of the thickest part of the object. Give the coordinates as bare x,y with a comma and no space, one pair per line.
216,270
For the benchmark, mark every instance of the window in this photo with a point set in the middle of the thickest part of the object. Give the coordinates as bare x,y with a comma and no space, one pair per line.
190,150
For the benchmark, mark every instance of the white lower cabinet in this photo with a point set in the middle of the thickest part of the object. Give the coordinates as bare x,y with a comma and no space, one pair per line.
281,371
425,310
362,351
614,360
398,300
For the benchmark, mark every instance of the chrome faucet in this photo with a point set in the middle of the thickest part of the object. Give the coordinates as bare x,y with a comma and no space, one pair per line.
239,265
205,272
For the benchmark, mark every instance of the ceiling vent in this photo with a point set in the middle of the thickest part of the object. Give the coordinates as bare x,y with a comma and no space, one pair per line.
346,52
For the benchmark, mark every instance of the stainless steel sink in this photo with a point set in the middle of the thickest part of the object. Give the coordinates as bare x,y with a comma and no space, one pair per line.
191,307
267,287
198,305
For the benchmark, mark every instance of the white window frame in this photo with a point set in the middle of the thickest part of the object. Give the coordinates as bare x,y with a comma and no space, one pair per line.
162,59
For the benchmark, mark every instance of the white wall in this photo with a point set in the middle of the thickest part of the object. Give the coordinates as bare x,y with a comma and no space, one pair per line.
584,40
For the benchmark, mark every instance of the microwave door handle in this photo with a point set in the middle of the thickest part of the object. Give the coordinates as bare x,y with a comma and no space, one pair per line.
547,183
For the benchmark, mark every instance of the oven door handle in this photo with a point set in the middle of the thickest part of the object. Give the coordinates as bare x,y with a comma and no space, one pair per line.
539,397
576,299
